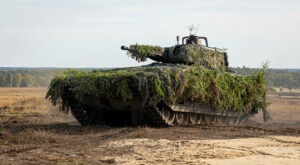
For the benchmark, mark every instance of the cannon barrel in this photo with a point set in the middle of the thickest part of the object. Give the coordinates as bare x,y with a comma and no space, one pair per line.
124,47
142,52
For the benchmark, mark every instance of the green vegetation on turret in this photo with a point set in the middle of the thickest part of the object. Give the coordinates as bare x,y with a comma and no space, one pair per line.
141,52
151,85
211,58
208,57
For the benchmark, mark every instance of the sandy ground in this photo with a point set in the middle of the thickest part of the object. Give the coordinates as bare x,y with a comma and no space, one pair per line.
262,150
39,134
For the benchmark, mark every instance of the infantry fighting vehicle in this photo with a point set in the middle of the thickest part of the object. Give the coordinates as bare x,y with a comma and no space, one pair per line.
189,83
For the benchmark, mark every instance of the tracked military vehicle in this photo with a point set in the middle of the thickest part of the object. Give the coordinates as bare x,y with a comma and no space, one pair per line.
189,83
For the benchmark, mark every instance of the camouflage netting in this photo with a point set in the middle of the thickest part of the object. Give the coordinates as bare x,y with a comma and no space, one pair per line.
212,58
141,52
151,85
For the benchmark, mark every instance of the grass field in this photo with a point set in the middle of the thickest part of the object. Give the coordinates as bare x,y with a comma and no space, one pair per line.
32,131
284,109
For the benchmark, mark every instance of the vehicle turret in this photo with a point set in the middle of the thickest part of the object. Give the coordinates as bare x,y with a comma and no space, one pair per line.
190,51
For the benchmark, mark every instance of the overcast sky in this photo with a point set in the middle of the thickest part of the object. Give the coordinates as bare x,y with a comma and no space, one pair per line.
89,33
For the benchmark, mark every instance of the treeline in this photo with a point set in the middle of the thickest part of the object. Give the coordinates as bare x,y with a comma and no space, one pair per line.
41,77
27,78
287,78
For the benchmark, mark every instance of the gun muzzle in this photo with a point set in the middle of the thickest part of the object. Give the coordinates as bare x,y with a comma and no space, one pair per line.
124,48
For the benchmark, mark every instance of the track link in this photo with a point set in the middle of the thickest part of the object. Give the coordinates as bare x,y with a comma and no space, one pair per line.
155,117
81,115
202,119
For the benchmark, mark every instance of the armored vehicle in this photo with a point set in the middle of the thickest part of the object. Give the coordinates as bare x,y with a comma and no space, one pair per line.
189,83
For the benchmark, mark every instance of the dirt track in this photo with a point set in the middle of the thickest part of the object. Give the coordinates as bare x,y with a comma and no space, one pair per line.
50,137
175,145
262,150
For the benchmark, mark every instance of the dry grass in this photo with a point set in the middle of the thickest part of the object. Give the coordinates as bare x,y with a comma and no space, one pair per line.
21,108
19,104
284,110
12,95
28,136
24,119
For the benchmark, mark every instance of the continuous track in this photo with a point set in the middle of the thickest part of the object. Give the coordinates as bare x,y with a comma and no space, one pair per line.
160,116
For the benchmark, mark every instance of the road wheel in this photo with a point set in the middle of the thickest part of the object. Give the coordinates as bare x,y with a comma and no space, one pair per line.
195,118
168,115
207,119
182,118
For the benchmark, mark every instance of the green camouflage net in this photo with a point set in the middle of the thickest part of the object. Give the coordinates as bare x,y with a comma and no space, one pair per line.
141,52
211,58
207,57
151,85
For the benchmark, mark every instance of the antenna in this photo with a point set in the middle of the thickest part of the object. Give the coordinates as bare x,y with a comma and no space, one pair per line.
197,29
191,29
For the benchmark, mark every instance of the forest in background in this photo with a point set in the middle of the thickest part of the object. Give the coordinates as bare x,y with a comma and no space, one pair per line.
286,78
41,77
27,77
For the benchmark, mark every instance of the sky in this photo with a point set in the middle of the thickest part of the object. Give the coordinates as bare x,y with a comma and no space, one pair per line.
89,33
